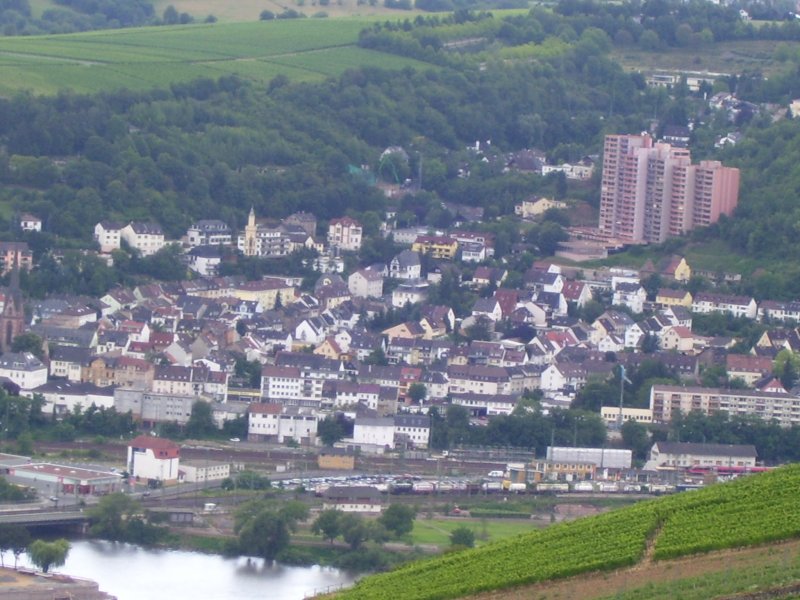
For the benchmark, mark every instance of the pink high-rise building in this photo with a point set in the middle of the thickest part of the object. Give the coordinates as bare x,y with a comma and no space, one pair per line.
651,191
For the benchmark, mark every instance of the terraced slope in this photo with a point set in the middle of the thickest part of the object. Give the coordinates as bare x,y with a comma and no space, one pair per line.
749,511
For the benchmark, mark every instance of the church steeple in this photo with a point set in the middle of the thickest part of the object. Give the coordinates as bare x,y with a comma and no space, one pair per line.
12,318
251,234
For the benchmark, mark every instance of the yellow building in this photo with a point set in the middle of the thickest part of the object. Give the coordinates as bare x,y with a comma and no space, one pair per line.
669,297
266,292
438,246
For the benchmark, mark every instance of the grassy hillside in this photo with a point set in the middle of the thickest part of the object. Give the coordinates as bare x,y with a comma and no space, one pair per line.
752,510
137,59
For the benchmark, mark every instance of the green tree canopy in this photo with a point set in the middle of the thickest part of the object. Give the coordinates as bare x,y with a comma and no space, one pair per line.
48,554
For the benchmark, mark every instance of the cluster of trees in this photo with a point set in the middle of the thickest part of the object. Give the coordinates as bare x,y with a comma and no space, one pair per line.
69,16
44,554
264,529
396,521
119,517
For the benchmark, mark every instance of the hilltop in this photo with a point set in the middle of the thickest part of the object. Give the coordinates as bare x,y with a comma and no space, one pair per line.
750,511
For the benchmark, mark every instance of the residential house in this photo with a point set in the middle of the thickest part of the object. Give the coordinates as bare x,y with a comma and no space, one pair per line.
209,232
345,233
62,397
146,238
405,265
737,306
748,368
205,260
29,222
437,246
673,297
24,369
632,295
410,292
677,338
280,423
536,206
366,283
108,235
774,310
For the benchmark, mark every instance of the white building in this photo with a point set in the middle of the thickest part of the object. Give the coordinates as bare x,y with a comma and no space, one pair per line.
410,292
602,458
201,471
147,238
151,457
345,233
685,455
61,396
406,265
24,369
209,232
29,222
107,235
405,430
366,283
354,498
279,423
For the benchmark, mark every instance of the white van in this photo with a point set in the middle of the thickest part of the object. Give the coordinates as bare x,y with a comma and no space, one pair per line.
496,474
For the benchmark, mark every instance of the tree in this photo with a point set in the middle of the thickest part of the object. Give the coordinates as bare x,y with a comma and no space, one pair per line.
398,519
636,438
354,531
201,421
462,537
330,430
294,511
417,392
13,538
328,524
48,554
28,342
265,534
109,515
786,367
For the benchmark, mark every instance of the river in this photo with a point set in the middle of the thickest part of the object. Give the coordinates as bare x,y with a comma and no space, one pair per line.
131,572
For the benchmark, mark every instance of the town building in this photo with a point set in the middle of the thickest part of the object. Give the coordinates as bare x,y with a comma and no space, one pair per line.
151,457
146,238
345,233
108,236
24,369
668,400
651,191
280,423
209,232
712,456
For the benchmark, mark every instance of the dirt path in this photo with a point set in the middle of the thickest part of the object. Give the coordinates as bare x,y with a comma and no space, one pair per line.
599,585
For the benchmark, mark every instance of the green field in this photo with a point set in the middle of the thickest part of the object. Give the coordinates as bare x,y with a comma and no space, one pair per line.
437,531
753,510
137,59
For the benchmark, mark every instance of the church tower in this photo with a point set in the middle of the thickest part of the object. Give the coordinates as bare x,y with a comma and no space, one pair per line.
250,234
12,318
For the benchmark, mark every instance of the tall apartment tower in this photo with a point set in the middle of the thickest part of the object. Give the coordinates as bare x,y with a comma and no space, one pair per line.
651,191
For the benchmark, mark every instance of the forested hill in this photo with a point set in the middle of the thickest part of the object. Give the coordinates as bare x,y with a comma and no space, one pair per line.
214,148
540,80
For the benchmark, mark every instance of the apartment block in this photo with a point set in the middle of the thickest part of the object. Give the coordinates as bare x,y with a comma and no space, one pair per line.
651,191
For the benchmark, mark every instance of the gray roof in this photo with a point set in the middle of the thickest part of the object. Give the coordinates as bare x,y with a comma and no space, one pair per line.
732,450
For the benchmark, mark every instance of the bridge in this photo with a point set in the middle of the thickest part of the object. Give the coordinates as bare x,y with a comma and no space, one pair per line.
41,519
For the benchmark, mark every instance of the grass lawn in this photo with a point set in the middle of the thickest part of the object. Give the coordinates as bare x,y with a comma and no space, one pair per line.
437,531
